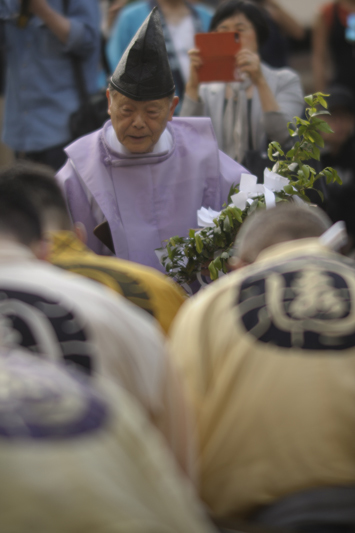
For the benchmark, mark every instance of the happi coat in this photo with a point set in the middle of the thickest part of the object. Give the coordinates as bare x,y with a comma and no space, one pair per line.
268,358
147,198
74,457
65,318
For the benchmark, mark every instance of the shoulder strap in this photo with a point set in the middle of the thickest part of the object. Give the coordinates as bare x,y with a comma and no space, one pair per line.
77,66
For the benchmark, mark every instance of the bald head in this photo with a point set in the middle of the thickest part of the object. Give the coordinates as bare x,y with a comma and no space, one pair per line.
285,222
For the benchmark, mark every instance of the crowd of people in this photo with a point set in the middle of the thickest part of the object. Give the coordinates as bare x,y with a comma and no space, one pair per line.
125,405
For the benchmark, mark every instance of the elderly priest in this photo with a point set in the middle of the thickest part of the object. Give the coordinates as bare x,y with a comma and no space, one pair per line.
144,175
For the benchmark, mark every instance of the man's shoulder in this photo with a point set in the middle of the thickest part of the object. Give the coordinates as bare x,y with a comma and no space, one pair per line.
193,125
85,150
282,75
131,11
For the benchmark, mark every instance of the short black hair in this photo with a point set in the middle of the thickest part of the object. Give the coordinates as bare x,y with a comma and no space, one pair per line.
254,13
19,218
39,184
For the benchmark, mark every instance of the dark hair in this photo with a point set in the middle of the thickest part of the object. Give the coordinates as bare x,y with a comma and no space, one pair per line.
254,13
18,216
38,183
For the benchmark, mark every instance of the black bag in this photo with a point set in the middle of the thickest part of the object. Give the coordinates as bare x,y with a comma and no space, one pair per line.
90,116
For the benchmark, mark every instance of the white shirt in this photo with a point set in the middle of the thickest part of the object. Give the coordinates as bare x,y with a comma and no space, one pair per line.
163,145
182,35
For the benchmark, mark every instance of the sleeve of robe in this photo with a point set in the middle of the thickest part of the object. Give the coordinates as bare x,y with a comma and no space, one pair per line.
80,205
230,174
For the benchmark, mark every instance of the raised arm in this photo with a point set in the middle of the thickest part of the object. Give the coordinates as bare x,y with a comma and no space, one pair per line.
289,25
78,30
192,105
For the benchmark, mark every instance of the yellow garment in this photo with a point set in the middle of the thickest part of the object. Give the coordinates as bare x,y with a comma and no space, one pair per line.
141,285
268,357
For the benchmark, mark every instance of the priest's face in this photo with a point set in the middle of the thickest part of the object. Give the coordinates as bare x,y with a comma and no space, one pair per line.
139,125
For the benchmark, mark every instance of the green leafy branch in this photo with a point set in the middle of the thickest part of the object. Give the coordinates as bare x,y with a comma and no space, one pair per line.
209,249
292,165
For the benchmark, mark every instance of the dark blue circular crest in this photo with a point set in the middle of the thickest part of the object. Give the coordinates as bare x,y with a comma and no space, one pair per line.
39,400
306,303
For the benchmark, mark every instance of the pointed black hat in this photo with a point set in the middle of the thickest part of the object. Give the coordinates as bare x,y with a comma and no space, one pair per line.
143,72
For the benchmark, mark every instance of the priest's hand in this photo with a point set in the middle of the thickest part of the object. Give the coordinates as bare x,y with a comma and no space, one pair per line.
193,82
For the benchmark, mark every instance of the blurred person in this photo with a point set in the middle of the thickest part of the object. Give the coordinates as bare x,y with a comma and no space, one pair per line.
268,358
70,320
282,27
41,92
75,457
180,21
333,46
143,286
339,153
245,115
145,174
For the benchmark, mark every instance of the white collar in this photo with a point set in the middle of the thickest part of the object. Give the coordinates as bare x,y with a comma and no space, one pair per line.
164,144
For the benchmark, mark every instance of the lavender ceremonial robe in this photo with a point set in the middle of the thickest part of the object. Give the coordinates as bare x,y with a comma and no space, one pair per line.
150,197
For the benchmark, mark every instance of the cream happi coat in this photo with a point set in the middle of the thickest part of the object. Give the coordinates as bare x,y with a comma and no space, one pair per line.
268,357
112,336
77,458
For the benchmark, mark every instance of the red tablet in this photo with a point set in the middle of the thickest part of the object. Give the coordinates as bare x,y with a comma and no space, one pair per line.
218,50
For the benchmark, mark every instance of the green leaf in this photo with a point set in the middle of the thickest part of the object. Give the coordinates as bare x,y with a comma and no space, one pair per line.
321,112
199,244
218,263
305,170
309,99
292,130
226,225
270,152
316,153
316,137
322,101
191,233
323,126
288,189
213,271
301,121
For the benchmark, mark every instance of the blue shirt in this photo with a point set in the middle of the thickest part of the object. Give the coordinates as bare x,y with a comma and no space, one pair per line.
40,91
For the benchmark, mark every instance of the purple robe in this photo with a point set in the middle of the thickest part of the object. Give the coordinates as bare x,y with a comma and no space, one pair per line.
151,197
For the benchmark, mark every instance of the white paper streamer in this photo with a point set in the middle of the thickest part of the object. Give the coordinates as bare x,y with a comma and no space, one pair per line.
249,189
335,237
205,217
